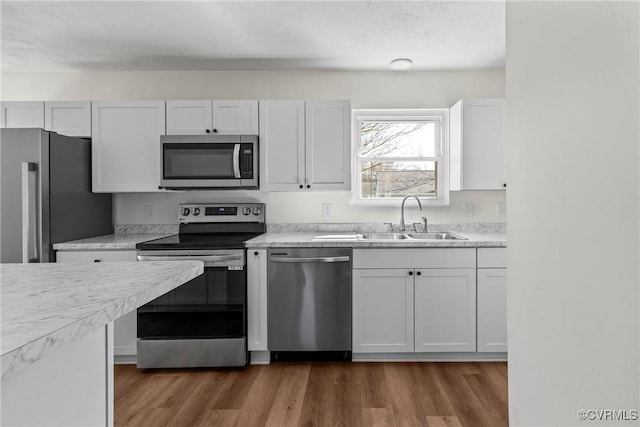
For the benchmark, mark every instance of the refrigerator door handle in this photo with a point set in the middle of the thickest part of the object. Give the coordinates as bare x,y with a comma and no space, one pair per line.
29,212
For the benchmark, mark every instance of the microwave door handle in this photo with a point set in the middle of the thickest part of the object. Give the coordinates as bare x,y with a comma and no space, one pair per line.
236,160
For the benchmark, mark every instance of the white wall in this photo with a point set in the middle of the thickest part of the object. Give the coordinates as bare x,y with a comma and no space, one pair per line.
573,111
365,90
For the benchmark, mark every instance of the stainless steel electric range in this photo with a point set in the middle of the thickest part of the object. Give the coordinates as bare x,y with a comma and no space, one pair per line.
202,323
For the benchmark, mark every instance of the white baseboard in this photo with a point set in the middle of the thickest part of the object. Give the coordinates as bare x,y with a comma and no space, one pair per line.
260,357
429,357
125,359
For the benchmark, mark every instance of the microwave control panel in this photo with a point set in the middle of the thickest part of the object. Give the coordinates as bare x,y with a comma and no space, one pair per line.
246,161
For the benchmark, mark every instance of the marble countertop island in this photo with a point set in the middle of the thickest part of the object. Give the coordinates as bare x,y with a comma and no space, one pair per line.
45,306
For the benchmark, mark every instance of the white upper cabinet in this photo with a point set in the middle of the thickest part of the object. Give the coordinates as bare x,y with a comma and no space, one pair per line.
126,146
226,117
477,144
304,145
282,145
328,145
22,114
71,118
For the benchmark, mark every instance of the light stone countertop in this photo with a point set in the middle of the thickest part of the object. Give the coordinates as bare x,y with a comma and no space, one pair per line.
107,242
45,306
302,235
274,240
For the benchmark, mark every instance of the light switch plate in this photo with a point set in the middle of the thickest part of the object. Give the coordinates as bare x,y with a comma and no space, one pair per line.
468,209
501,210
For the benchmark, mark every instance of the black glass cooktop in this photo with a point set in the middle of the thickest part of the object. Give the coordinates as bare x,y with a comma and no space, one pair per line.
198,241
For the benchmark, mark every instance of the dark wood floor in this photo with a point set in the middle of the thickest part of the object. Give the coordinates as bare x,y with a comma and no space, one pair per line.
315,394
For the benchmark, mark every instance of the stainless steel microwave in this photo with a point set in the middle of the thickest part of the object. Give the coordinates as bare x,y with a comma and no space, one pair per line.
209,161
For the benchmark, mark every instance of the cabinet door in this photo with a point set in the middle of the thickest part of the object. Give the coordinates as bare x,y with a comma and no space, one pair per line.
257,299
69,118
125,327
282,147
22,114
189,117
126,146
478,145
382,311
445,310
492,310
235,117
328,145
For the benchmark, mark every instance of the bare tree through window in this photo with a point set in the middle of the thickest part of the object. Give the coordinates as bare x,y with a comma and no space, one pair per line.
397,158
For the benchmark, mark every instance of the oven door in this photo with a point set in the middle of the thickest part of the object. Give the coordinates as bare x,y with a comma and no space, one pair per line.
202,322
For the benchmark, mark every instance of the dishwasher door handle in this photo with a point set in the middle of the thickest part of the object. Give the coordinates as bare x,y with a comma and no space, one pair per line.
311,259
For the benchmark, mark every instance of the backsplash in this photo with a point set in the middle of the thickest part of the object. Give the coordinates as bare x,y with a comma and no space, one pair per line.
146,229
497,227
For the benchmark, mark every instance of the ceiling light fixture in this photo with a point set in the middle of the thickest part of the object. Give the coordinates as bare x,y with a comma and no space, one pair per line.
401,64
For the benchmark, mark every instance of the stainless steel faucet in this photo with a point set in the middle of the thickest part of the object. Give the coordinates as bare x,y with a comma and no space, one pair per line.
402,228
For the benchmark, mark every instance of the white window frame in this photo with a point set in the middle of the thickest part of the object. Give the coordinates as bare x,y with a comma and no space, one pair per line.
439,114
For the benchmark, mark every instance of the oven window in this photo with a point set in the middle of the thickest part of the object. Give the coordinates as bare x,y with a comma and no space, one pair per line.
210,306
198,161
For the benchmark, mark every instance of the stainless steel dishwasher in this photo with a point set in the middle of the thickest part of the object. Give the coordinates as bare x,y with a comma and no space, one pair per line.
309,303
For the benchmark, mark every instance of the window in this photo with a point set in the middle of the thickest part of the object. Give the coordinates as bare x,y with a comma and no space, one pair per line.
400,152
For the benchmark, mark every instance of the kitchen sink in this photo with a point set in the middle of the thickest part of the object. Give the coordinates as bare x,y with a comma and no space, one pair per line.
384,236
435,236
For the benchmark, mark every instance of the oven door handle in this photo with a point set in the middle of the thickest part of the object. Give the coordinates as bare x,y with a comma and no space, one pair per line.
236,160
204,258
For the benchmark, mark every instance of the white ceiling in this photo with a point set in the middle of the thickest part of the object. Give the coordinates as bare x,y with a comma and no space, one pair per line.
250,35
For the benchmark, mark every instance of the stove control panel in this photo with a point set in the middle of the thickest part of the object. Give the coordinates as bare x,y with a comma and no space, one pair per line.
221,212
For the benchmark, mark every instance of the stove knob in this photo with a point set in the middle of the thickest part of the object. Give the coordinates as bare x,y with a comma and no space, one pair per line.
257,210
185,211
246,211
196,211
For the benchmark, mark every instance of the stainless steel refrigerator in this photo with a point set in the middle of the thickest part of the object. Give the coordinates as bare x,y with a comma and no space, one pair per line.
45,194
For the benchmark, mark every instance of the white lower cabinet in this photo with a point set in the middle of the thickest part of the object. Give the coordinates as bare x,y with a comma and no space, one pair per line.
445,310
492,300
125,327
382,311
257,300
403,302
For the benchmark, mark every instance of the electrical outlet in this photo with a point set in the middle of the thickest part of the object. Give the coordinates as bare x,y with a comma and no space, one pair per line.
501,210
148,212
327,210
468,209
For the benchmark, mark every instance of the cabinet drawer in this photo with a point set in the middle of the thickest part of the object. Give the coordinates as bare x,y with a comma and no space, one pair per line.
95,256
415,258
492,257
